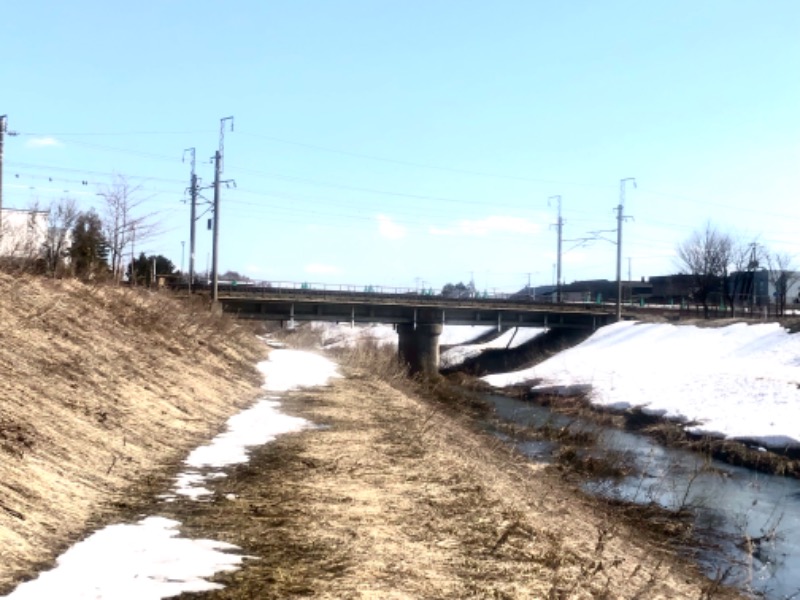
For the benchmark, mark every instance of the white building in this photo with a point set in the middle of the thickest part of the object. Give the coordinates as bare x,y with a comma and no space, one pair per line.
23,233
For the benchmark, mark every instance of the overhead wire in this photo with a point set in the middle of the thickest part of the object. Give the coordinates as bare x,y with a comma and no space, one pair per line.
417,211
421,165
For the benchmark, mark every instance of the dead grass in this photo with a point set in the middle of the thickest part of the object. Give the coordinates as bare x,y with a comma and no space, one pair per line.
391,496
395,497
99,387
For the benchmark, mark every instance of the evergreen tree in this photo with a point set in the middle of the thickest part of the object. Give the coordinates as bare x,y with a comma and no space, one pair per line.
143,268
89,250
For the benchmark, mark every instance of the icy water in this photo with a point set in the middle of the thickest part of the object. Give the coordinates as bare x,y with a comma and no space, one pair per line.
731,505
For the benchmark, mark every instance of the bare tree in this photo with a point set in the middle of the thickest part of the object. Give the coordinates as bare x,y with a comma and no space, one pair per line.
123,222
739,287
782,277
706,256
62,216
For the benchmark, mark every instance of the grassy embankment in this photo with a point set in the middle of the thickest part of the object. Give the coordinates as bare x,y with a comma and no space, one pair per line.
100,387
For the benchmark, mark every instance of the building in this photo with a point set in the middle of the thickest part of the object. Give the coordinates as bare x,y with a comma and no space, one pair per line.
23,233
764,288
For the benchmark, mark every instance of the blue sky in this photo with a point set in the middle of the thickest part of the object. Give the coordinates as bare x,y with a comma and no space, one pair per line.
396,142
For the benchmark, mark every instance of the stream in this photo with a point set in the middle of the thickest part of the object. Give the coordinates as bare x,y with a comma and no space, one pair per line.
747,523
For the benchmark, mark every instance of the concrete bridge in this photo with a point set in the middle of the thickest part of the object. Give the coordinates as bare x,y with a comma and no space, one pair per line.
419,318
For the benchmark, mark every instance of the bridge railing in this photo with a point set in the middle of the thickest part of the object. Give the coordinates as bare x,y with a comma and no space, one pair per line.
370,289
272,287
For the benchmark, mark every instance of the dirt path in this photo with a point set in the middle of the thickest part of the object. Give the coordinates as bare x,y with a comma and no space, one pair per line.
390,498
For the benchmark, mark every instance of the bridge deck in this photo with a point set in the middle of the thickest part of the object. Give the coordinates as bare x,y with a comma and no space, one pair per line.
277,304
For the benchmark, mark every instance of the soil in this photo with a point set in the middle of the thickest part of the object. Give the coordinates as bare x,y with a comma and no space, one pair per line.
391,494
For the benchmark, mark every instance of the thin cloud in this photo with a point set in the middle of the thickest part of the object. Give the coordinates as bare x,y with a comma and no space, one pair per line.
322,269
389,229
43,142
489,226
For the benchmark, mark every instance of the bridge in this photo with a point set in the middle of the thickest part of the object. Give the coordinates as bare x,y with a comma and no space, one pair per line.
418,317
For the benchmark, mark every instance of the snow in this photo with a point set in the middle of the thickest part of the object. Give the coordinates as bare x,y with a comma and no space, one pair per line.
513,338
739,382
143,561
148,560
288,369
339,335
257,425
463,334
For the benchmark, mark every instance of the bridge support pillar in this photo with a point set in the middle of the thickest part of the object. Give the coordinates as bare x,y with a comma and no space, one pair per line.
418,347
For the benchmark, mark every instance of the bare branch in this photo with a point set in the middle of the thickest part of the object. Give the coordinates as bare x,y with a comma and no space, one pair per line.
124,224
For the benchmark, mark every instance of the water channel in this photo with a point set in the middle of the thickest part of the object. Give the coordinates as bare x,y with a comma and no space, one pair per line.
747,523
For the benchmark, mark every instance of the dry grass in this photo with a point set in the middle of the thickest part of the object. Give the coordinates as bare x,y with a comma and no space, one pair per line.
100,386
395,498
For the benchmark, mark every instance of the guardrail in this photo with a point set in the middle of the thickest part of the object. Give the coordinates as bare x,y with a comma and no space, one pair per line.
278,286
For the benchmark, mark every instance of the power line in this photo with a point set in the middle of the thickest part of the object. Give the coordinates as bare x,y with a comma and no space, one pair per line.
422,165
114,133
49,167
352,188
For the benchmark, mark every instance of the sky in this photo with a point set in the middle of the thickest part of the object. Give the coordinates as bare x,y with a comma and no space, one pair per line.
414,143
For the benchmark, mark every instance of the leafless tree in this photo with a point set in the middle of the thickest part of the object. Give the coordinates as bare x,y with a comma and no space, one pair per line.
123,221
62,216
746,258
782,277
706,255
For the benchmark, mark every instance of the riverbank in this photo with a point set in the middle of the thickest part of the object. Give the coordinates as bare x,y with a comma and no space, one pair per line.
101,387
397,495
668,432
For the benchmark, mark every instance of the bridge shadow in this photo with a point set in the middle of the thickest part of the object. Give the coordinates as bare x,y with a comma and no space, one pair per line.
502,360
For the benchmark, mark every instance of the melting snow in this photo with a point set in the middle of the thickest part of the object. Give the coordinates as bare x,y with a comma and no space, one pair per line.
148,560
740,381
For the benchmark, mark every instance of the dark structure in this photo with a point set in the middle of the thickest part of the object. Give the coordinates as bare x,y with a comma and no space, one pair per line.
418,318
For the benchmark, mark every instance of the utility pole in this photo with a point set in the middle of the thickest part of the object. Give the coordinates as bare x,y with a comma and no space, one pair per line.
752,265
3,120
217,172
560,229
133,257
630,286
3,131
620,219
192,219
215,242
